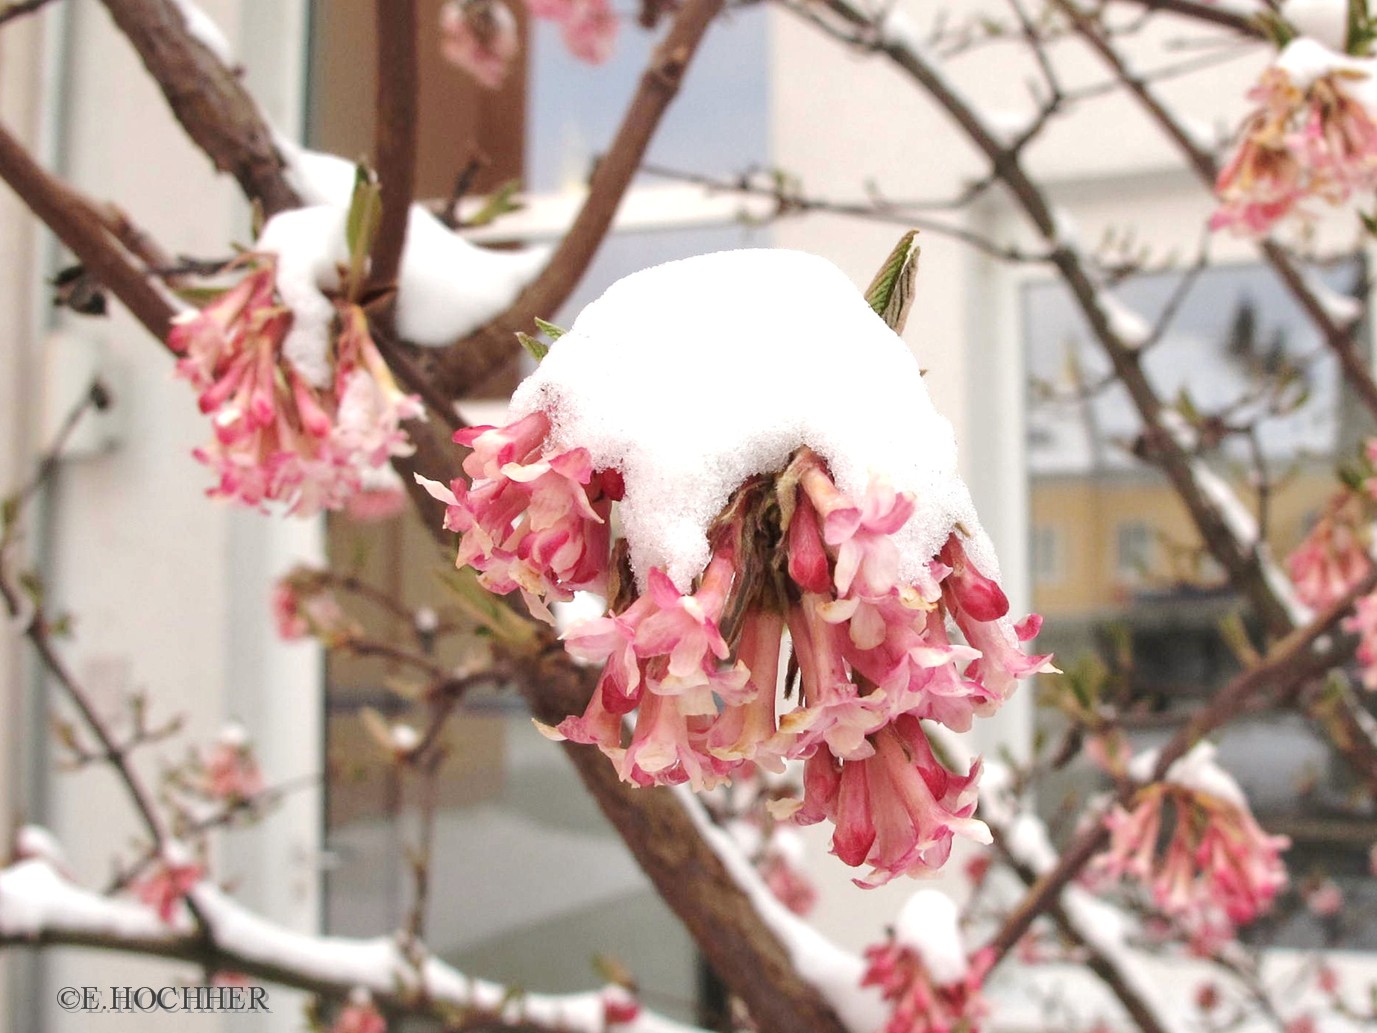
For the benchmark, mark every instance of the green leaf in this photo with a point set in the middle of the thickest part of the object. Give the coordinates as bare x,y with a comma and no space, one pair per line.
891,292
361,224
536,349
487,611
499,203
551,331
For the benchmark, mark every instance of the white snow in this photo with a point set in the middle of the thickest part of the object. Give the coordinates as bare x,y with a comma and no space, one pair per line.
692,376
234,734
1304,60
35,900
405,738
310,246
1125,324
928,924
1324,21
34,842
1343,309
1197,771
447,287
204,30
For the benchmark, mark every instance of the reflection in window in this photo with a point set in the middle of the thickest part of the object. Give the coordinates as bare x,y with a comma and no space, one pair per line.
1141,597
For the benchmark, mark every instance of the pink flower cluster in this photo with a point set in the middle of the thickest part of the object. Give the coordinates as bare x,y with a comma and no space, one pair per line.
1332,559
589,27
921,1003
167,885
1218,870
230,771
1318,142
303,606
278,436
871,655
479,36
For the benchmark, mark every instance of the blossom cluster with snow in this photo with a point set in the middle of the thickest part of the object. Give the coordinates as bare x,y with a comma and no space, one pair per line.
301,433
1217,870
777,470
1311,136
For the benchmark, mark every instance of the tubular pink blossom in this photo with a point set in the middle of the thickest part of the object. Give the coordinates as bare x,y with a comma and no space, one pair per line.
921,1003
479,36
698,667
277,435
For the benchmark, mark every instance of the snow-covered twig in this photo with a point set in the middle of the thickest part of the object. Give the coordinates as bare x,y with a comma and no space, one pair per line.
39,908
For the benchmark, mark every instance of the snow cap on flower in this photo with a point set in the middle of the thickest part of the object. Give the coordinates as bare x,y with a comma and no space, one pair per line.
814,490
1218,869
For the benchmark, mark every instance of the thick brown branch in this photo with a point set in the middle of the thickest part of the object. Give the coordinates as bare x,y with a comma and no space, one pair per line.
472,360
78,224
394,148
207,98
689,876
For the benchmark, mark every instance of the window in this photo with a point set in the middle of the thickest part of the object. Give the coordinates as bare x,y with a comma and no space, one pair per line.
1132,551
1046,555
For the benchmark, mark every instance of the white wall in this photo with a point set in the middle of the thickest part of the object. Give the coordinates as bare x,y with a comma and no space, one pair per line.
169,589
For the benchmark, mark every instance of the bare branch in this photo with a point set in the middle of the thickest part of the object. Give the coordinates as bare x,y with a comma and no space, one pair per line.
78,224
21,8
207,98
470,361
1203,11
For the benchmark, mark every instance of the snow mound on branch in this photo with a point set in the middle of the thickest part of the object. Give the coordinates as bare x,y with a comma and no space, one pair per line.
1197,770
693,376
927,924
446,287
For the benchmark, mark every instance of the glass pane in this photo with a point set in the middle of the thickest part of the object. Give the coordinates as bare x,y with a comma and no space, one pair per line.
1120,574
718,124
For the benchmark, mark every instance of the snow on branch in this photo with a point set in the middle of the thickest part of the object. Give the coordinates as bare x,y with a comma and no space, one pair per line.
38,907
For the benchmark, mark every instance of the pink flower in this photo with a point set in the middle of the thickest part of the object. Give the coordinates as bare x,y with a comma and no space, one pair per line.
1332,558
1318,142
359,1016
619,1006
166,885
302,606
479,36
1218,869
230,772
921,1002
1363,623
896,811
699,665
1325,899
278,436
589,27
790,886
530,522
